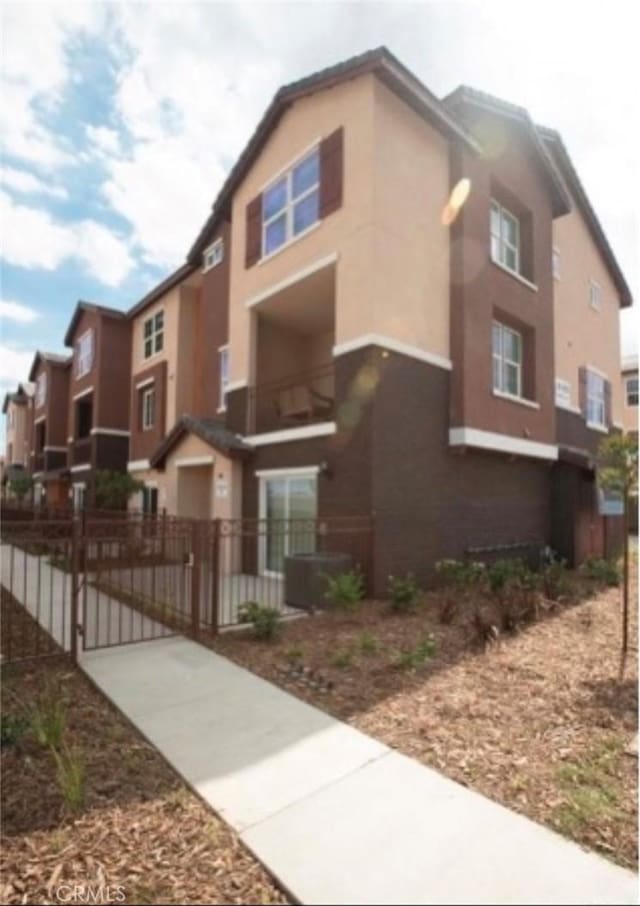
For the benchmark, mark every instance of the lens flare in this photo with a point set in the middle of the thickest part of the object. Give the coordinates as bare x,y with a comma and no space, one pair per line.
459,195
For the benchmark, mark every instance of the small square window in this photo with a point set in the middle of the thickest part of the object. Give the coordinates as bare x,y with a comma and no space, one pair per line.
214,254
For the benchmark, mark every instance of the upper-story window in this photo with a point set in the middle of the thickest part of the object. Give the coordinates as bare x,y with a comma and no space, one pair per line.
224,375
154,334
84,354
595,295
505,237
556,264
291,205
213,255
148,408
596,400
631,390
507,360
41,389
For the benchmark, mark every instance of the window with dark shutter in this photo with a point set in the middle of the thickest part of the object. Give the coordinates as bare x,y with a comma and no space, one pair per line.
254,231
331,172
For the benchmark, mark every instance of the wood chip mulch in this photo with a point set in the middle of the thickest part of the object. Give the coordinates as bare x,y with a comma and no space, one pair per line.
538,721
139,829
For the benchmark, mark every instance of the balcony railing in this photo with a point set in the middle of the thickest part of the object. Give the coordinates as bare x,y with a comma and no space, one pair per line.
81,451
301,399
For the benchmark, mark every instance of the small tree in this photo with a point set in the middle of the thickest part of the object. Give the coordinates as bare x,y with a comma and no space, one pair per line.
113,489
618,472
21,485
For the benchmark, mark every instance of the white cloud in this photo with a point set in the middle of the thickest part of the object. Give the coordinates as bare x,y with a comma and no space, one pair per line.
104,139
33,239
28,184
14,365
16,311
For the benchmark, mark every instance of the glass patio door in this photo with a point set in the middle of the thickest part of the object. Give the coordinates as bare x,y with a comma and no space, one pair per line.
289,503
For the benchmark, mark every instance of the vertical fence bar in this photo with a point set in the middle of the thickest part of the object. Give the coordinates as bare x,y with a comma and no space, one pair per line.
75,585
195,579
215,576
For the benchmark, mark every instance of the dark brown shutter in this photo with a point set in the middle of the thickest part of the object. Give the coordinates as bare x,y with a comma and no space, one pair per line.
331,167
582,390
253,248
607,404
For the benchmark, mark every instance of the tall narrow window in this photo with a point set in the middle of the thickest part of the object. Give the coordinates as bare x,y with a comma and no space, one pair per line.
154,334
291,205
41,389
595,295
148,408
631,387
224,375
596,403
505,238
84,354
507,360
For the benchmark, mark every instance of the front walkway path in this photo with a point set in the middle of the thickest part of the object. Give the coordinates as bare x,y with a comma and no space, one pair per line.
336,816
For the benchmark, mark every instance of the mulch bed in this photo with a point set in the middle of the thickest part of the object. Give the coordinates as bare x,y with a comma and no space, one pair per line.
140,828
537,721
20,636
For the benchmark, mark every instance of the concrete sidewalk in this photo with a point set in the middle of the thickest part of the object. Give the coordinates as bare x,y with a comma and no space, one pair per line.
336,816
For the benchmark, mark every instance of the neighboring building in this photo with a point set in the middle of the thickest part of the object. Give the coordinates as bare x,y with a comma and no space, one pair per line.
630,393
48,454
17,409
97,414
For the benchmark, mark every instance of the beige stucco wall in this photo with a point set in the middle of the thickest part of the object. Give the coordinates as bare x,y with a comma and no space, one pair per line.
411,245
17,434
584,336
347,232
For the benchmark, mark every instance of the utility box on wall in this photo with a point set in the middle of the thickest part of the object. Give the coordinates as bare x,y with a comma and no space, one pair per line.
305,578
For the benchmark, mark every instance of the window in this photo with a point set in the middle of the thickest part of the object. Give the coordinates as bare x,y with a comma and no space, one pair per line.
595,295
563,392
224,375
148,408
41,389
596,406
631,388
213,255
79,495
507,360
556,264
289,504
291,205
84,417
505,238
150,500
84,354
154,334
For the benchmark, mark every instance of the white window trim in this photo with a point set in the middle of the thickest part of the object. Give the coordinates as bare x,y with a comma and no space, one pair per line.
223,353
521,400
289,204
289,434
595,286
597,425
503,443
516,276
263,478
85,392
154,333
210,250
138,465
80,357
499,390
149,392
187,461
503,242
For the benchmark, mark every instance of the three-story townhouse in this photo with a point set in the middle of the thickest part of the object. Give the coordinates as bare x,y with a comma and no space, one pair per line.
17,409
98,398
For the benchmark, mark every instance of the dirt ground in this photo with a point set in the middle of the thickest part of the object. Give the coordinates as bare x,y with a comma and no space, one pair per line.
139,827
538,721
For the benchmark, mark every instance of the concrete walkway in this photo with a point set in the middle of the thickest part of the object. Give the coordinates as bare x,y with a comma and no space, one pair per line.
336,816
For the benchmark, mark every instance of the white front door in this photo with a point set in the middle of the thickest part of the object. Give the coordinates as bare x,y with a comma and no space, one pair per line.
289,504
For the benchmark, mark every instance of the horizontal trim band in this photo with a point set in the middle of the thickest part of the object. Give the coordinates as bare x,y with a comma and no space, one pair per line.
195,461
82,393
237,385
568,408
48,449
115,432
292,279
503,443
146,383
138,465
297,470
376,339
516,399
291,434
81,468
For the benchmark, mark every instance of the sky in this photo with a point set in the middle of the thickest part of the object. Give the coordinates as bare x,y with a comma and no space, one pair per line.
119,123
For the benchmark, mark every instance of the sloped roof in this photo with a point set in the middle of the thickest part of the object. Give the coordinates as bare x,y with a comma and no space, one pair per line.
51,357
20,396
553,140
210,430
168,283
464,94
89,306
379,61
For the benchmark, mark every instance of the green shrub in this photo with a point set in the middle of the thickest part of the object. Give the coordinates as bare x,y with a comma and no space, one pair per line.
515,591
458,580
404,592
345,590
368,644
266,621
601,571
71,777
555,580
413,658
342,659
12,728
48,717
